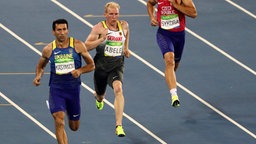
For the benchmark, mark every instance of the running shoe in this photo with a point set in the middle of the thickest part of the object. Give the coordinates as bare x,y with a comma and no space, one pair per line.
175,101
120,131
99,105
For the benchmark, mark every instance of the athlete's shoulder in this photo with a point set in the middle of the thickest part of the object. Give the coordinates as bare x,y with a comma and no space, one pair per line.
77,41
79,46
98,27
100,24
47,50
49,46
124,23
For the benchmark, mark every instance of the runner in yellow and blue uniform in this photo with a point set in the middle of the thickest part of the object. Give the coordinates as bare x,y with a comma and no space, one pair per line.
65,55
64,88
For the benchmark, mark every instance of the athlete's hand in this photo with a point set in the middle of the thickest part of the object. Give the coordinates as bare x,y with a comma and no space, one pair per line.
103,34
154,22
127,53
76,73
36,81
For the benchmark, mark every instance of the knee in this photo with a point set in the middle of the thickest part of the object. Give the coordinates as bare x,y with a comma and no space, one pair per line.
117,85
170,63
169,60
59,121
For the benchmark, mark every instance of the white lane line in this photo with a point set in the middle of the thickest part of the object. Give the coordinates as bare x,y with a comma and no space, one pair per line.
198,98
221,51
241,8
20,73
1,105
129,118
27,115
72,13
102,16
161,73
16,73
10,101
20,39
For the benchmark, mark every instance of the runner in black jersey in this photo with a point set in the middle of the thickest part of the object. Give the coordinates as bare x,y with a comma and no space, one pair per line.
110,38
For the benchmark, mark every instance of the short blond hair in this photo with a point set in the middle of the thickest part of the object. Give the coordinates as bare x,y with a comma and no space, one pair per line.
112,5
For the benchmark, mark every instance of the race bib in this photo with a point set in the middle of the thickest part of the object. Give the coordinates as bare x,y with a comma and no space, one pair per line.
65,67
113,49
170,21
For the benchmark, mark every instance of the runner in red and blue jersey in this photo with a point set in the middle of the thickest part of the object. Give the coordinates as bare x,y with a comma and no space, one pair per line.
171,20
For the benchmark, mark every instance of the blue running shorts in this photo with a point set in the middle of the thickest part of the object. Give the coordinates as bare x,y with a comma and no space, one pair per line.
65,99
171,42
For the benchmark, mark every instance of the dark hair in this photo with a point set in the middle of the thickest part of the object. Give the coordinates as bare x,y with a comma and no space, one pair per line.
59,21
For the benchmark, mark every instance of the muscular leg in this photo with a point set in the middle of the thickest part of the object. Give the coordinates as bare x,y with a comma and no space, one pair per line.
170,77
170,68
100,84
119,101
60,127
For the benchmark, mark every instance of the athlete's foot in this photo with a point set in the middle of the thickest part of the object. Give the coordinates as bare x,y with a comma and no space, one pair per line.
120,131
99,105
175,101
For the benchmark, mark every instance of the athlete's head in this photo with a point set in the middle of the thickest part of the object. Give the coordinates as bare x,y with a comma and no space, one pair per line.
59,21
60,29
111,5
111,12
